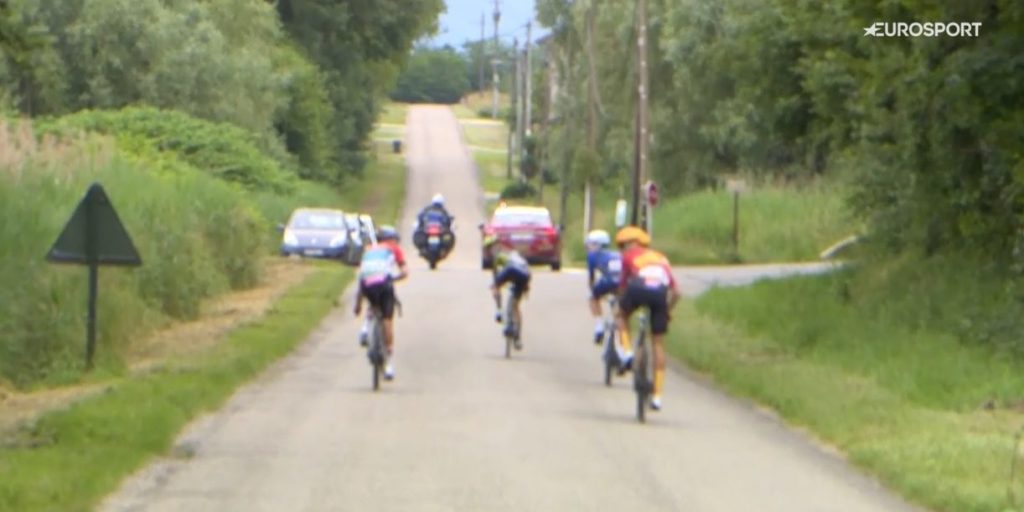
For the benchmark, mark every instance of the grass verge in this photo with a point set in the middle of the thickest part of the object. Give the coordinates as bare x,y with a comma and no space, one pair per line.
776,223
867,362
70,459
393,113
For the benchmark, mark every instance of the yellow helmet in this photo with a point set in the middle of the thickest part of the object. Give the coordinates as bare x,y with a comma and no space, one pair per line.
632,234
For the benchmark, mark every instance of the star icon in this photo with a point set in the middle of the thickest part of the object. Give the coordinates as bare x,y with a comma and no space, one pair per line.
872,30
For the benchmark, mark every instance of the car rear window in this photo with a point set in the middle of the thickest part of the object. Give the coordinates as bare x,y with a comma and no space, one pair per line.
317,220
507,219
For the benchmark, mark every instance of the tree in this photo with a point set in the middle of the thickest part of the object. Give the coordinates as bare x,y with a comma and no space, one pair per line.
432,76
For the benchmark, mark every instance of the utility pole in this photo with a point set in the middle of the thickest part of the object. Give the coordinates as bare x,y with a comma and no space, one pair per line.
520,108
545,126
515,106
481,53
570,128
588,212
529,79
494,60
642,136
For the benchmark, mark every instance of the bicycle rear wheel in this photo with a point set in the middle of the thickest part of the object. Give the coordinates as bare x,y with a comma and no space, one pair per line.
377,351
510,326
641,378
611,360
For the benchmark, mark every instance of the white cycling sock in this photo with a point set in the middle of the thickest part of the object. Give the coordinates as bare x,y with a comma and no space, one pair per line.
599,326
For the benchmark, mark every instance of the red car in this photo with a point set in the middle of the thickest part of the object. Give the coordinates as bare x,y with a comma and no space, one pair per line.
527,229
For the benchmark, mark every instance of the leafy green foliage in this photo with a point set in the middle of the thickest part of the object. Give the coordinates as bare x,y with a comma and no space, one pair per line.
432,76
518,190
360,47
197,236
304,76
926,128
221,149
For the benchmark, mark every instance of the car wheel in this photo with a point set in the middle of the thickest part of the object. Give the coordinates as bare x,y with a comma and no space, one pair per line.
556,265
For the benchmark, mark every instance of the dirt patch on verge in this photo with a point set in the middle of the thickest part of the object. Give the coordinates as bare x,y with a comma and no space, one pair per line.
220,316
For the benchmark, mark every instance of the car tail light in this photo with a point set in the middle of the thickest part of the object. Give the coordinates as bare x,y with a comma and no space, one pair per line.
551,233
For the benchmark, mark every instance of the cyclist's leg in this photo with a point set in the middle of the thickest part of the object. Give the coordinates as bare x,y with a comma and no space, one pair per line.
627,305
364,331
600,289
386,303
500,280
520,285
659,326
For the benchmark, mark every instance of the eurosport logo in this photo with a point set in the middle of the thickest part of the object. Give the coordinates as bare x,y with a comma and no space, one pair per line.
926,29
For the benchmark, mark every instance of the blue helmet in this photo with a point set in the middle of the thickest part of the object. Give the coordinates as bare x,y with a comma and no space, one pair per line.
387,232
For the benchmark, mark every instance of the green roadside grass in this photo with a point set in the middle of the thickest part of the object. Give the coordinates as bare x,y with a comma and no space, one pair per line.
871,364
488,144
393,113
776,223
70,459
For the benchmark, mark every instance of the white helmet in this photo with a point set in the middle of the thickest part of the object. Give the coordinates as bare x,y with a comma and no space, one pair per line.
437,200
599,238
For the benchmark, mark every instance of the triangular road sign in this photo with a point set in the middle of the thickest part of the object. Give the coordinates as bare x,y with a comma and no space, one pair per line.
94,235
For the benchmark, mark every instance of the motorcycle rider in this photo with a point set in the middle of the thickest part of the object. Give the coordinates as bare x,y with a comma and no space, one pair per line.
435,212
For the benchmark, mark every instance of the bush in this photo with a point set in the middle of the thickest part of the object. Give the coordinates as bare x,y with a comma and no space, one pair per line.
518,190
224,150
197,236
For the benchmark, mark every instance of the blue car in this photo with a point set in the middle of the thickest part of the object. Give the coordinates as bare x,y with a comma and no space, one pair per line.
317,233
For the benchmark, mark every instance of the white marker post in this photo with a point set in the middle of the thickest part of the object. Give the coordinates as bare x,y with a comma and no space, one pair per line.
620,213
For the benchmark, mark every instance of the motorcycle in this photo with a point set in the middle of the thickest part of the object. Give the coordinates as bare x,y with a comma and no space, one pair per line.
434,241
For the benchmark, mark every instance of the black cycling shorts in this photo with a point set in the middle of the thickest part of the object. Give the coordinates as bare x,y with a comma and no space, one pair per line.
639,295
382,297
520,281
603,287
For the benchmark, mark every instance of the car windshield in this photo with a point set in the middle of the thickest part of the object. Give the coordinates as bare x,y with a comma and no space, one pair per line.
513,219
317,220
353,222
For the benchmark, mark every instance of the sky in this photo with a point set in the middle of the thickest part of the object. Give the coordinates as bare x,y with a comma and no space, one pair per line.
461,22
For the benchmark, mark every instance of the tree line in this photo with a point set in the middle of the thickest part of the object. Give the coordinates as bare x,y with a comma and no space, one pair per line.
305,75
926,129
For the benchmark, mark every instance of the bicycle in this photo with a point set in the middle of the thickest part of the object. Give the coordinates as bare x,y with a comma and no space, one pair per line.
511,326
610,354
376,351
643,368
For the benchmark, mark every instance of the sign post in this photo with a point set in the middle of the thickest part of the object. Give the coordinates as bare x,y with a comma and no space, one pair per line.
94,236
736,187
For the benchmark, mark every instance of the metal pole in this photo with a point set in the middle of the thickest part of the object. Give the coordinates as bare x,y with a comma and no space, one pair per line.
588,215
529,79
640,159
494,60
92,256
513,142
520,111
736,224
481,54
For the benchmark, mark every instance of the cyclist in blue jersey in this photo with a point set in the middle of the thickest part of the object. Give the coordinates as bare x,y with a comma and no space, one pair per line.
604,265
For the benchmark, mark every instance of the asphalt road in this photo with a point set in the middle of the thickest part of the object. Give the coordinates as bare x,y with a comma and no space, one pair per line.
464,429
